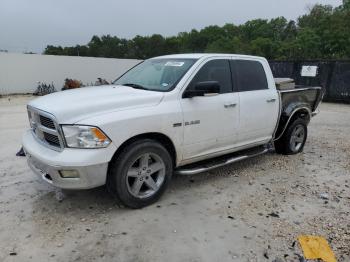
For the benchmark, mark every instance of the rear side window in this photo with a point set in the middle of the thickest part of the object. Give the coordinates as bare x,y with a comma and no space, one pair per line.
215,70
250,75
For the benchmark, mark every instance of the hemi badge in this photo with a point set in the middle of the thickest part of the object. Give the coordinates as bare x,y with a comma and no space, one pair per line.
177,124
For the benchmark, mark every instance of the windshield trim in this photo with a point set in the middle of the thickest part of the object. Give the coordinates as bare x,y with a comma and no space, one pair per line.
158,90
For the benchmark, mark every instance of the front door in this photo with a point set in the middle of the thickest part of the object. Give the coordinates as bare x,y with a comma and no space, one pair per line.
211,122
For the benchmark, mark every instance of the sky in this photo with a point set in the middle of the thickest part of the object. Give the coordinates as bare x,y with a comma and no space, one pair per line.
29,26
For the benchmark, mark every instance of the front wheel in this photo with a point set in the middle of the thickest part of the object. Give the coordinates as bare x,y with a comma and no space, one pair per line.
294,138
139,175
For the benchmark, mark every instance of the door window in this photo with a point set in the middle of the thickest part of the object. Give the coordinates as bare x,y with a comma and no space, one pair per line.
250,75
215,70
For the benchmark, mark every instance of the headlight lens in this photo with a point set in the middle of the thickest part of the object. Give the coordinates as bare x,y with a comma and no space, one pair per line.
85,137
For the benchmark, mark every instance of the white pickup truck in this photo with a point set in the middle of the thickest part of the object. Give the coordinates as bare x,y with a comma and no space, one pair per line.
178,113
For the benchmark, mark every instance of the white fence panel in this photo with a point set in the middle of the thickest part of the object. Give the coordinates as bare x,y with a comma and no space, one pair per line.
20,73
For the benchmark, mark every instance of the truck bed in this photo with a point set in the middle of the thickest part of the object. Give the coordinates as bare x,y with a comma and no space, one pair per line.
299,97
310,96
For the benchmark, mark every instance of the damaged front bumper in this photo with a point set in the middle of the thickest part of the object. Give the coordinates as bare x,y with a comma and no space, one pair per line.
88,166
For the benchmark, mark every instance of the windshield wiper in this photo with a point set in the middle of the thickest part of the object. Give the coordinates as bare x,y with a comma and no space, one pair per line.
136,86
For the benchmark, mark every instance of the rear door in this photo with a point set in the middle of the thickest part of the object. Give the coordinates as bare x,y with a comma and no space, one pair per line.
259,102
211,122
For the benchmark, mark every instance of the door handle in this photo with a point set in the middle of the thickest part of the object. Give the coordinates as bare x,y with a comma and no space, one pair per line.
271,100
229,105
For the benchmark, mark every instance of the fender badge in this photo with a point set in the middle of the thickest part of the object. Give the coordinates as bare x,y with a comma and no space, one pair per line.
195,122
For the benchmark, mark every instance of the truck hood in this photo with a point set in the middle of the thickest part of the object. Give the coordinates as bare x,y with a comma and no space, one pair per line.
75,105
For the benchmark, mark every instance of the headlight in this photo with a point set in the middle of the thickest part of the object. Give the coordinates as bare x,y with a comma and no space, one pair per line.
85,137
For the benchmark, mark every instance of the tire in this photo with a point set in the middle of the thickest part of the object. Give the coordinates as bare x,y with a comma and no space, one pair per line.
294,138
139,175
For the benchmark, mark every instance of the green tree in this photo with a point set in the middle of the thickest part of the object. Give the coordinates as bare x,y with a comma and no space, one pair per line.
322,33
263,47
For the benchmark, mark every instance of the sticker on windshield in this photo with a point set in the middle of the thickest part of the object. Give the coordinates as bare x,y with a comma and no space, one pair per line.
174,63
165,84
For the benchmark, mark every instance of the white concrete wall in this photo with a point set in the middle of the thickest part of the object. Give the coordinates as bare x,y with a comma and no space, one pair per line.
19,73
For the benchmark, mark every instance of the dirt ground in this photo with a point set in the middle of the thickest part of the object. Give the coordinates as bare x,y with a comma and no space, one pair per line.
249,211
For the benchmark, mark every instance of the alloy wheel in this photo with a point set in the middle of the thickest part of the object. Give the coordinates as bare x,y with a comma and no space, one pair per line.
145,175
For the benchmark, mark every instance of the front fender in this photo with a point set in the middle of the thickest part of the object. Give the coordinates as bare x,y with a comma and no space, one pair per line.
123,125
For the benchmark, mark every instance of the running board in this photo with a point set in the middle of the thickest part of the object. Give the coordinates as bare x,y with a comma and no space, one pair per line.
197,168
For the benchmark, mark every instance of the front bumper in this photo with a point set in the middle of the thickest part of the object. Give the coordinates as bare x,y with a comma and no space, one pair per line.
91,164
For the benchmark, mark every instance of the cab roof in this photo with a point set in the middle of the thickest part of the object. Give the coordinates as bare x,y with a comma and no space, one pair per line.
203,55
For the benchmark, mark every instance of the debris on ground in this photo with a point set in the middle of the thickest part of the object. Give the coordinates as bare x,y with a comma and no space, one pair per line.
44,89
59,195
21,152
71,84
316,247
101,81
273,214
324,196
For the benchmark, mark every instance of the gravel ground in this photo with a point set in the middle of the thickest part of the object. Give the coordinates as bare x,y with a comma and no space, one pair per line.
249,211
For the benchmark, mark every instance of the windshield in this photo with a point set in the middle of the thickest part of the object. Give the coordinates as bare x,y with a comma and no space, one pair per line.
156,74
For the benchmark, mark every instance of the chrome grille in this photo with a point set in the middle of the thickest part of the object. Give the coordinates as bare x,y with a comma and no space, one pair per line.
47,122
52,139
45,128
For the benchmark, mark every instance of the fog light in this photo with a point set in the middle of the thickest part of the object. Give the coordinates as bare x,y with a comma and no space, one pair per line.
69,173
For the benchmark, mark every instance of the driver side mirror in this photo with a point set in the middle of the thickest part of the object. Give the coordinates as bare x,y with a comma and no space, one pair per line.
207,88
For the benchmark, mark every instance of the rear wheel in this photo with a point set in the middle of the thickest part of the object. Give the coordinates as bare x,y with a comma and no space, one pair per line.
293,139
139,175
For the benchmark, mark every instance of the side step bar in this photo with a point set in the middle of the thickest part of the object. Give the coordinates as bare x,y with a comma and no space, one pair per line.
197,168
